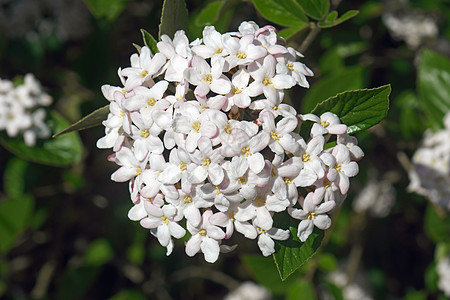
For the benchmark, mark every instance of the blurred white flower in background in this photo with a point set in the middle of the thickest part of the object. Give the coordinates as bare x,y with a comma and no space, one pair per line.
443,270
249,291
430,172
21,109
376,198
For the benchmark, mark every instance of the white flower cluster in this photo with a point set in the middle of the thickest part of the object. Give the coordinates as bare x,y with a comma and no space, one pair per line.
443,270
200,132
21,109
430,172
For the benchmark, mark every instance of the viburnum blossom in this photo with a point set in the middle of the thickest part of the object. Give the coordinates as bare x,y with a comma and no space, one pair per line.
21,109
200,132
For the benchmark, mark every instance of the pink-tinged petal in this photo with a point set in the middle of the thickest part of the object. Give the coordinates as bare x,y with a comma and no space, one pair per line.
315,145
216,174
245,214
191,141
279,234
150,223
150,191
208,129
318,130
298,214
203,51
283,81
266,244
256,162
176,230
351,169
219,219
193,215
256,52
246,229
259,142
158,62
264,218
221,85
317,166
124,174
341,153
255,89
198,174
239,165
210,249
163,235
193,245
170,175
153,210
202,90
344,184
325,207
137,212
310,117
306,178
140,149
169,191
240,79
215,232
305,228
337,129
322,222
248,192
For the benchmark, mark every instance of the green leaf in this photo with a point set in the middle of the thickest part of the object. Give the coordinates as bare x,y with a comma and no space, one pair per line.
15,212
292,253
14,177
327,262
303,288
209,14
98,253
95,118
108,9
174,17
316,9
433,84
290,32
341,80
431,277
283,12
265,272
60,151
136,253
437,226
331,20
149,41
360,109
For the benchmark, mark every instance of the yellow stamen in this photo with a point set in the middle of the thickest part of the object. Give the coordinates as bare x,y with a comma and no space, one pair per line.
241,55
206,161
325,124
208,78
187,199
242,180
151,101
273,172
231,215
260,230
138,171
306,157
290,66
246,151
145,133
217,190
165,220
338,167
260,201
275,107
144,73
202,232
122,113
219,50
183,166
227,129
287,180
236,91
266,81
196,126
311,215
274,135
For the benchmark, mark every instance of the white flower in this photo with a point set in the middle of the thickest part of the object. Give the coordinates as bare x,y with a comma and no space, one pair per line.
205,238
311,215
266,237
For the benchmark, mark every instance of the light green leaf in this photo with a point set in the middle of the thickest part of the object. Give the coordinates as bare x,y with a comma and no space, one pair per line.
95,118
149,41
129,295
433,84
98,253
174,17
108,9
283,12
341,80
332,20
60,151
14,177
316,9
15,213
327,262
265,272
360,109
76,281
209,14
292,253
